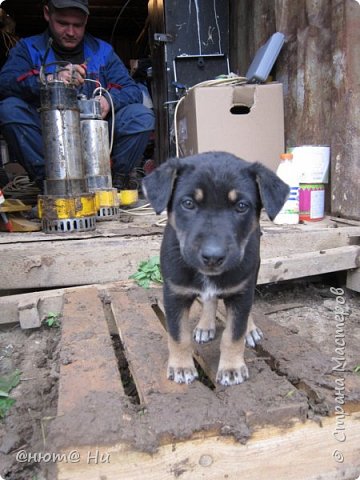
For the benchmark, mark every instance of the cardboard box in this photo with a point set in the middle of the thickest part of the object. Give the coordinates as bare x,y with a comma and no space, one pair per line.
246,120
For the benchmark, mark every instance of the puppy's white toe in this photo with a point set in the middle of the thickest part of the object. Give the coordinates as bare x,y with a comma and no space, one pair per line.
234,376
182,375
253,337
203,336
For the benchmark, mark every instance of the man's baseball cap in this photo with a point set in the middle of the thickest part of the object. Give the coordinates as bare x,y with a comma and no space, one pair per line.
82,4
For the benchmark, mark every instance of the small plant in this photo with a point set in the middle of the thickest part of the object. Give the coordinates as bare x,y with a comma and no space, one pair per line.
52,320
148,271
357,369
7,383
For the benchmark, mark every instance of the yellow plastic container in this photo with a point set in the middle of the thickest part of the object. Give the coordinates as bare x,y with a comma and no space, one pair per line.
128,197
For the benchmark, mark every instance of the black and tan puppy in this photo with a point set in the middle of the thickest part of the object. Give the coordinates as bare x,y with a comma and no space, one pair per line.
211,249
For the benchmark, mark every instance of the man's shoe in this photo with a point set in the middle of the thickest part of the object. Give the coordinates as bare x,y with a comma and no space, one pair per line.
123,181
120,181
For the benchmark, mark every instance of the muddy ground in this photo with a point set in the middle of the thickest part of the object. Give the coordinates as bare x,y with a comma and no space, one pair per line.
35,354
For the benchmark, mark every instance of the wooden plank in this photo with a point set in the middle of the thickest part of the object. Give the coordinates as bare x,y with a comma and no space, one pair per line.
47,265
353,280
329,233
88,365
29,314
291,239
66,263
45,301
300,452
43,261
310,263
307,367
110,229
145,343
345,221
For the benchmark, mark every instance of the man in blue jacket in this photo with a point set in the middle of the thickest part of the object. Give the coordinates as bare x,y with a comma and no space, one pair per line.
85,57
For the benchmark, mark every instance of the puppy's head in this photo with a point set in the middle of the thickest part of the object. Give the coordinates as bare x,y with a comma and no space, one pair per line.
213,202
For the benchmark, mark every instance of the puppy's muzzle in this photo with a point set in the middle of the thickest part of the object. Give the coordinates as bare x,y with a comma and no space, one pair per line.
212,255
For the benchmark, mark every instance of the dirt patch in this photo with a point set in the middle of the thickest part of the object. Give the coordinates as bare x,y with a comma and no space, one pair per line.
35,354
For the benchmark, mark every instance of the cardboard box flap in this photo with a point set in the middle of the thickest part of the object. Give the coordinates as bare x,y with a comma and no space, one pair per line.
243,96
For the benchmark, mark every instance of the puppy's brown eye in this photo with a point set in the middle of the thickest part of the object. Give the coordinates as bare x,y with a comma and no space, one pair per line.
188,203
241,207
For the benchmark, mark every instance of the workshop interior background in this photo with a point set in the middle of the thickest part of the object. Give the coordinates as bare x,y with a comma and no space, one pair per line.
319,65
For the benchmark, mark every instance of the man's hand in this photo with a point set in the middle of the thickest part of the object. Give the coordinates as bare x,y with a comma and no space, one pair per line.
105,107
74,74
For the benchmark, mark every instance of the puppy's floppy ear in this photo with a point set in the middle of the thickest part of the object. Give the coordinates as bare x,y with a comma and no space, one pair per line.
273,191
158,186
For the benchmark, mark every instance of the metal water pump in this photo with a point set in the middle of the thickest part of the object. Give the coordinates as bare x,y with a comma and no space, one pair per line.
96,155
66,205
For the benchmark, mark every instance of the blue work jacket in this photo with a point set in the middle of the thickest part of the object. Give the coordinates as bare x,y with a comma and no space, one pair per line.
19,77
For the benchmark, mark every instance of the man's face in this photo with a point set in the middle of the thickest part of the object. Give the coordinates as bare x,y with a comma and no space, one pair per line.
67,26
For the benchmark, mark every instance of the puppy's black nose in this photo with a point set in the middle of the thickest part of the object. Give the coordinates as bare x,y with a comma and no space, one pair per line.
212,255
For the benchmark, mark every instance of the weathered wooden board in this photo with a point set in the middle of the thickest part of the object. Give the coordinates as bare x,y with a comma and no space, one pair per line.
88,362
353,279
302,452
310,263
186,430
107,229
145,343
288,240
78,260
64,263
308,368
44,302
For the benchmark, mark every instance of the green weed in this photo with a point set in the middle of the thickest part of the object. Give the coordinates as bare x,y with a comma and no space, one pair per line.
7,383
52,320
148,271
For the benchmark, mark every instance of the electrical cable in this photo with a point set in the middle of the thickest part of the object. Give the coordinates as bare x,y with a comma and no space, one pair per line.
102,89
20,187
9,41
117,21
144,211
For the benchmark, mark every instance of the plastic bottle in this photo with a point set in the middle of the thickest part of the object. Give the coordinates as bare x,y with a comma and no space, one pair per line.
287,171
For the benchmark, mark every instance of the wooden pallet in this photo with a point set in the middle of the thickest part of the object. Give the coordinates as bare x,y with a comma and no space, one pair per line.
114,250
260,429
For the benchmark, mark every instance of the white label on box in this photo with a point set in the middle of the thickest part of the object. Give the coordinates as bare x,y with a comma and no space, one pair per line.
317,203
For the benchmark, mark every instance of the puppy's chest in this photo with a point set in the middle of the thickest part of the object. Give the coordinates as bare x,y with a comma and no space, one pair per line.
211,290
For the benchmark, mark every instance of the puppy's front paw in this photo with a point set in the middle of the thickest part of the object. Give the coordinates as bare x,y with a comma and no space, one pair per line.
253,337
232,376
182,375
201,335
